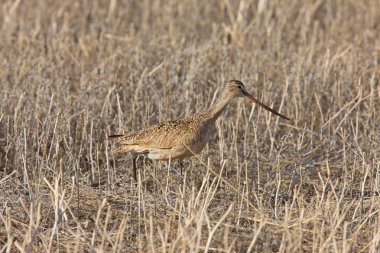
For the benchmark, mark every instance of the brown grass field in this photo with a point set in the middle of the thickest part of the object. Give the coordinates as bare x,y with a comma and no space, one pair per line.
73,72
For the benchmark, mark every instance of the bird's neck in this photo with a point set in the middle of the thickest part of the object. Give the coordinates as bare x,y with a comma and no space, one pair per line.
217,108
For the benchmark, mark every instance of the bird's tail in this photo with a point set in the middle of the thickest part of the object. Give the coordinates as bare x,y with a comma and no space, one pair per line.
118,148
115,136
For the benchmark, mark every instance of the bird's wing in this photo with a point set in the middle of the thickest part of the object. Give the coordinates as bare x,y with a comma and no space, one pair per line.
161,136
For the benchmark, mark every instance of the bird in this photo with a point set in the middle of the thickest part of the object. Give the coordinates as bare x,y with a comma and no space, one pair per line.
184,137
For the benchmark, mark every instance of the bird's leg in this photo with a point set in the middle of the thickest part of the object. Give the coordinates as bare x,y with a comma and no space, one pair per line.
134,158
181,170
181,167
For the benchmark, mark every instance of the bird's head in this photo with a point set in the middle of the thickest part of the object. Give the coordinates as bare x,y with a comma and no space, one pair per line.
235,88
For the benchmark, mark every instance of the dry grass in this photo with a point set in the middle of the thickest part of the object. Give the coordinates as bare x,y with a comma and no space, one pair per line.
73,72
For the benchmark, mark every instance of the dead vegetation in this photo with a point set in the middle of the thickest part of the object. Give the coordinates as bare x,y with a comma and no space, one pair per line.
72,72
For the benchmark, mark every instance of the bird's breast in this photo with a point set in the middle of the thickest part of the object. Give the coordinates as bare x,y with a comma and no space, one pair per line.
202,137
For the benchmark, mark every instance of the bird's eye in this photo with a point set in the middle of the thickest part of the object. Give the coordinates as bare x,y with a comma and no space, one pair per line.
239,87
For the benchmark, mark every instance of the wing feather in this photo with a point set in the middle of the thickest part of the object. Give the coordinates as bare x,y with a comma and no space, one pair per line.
160,136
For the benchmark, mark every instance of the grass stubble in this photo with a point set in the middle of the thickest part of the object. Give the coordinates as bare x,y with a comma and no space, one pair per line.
72,72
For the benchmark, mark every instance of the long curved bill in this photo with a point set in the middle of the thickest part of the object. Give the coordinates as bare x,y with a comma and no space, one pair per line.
265,106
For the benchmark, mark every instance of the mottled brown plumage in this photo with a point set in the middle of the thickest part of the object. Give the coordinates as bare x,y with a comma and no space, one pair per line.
183,137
